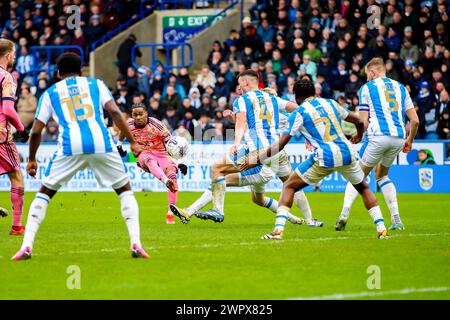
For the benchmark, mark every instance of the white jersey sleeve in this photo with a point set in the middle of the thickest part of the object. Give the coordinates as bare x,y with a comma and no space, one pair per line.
342,112
295,122
281,104
44,109
363,98
239,105
407,104
105,94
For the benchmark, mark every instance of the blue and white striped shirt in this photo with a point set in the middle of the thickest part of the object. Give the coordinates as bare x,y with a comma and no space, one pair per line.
263,111
77,103
386,100
319,120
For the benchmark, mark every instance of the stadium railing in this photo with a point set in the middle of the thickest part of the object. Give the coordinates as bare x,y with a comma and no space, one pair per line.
167,47
143,12
148,6
45,57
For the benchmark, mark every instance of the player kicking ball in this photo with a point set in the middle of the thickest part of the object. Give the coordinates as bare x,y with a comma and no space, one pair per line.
9,157
257,118
383,105
77,103
318,120
152,136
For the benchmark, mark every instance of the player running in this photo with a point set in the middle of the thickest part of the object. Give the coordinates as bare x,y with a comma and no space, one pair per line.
152,136
317,120
9,157
383,104
77,103
257,122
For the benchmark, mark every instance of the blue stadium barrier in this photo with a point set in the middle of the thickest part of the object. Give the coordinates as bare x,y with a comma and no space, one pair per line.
167,47
50,53
143,12
155,4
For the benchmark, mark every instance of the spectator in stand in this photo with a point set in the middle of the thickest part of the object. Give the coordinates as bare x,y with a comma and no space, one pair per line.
154,110
427,111
158,83
265,31
194,98
177,86
309,67
51,132
425,157
313,52
124,54
132,81
171,118
206,77
222,88
172,99
339,78
25,64
352,87
182,131
184,79
443,128
26,106
123,101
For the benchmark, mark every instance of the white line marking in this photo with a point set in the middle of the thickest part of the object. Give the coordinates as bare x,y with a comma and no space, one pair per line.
263,242
339,296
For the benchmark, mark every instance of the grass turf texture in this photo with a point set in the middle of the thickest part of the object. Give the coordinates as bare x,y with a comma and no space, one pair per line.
206,260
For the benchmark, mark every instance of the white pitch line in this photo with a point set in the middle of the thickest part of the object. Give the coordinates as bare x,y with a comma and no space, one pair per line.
363,294
264,242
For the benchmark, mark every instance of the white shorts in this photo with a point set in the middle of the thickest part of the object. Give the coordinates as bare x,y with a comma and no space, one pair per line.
108,169
312,173
380,149
257,177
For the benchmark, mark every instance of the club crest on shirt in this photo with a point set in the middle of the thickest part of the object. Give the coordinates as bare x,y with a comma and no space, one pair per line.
426,178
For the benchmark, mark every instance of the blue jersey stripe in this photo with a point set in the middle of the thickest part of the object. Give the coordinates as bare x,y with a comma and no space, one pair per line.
394,114
277,114
56,104
376,101
403,97
95,95
312,130
265,122
343,147
87,138
251,122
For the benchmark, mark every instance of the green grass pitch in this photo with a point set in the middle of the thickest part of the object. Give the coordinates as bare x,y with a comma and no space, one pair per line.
205,260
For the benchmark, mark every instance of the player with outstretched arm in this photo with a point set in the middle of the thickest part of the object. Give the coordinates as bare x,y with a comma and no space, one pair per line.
76,103
318,120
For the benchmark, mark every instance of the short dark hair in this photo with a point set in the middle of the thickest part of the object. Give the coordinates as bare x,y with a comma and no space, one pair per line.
139,105
249,73
69,63
304,89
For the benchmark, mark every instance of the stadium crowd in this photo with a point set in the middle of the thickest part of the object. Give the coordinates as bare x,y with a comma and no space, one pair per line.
328,41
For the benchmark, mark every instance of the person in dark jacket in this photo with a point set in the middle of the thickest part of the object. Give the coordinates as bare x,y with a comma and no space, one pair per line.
124,54
171,99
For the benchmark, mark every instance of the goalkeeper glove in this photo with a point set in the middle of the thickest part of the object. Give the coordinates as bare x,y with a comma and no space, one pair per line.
122,152
183,168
